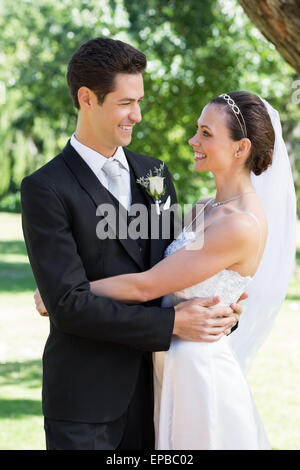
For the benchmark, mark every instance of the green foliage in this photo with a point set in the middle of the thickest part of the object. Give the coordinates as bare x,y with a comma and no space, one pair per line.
11,202
195,50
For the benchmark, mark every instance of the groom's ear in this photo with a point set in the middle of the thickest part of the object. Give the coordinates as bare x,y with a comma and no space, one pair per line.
85,97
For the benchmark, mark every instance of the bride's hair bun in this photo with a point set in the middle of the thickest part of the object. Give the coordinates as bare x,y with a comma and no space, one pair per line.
258,125
261,162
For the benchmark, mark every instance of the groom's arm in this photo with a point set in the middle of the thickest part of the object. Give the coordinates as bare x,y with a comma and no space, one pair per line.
63,284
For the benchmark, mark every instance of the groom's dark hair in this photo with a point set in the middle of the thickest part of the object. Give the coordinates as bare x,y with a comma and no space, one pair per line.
96,63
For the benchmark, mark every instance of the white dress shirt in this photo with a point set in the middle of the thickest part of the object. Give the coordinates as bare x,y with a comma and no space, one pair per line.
96,161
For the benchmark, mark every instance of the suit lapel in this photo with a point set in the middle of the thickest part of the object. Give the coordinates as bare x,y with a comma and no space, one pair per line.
99,194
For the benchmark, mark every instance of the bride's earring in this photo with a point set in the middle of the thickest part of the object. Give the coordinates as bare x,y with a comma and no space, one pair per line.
236,154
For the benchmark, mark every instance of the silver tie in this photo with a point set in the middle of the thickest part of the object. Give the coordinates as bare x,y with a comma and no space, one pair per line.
112,169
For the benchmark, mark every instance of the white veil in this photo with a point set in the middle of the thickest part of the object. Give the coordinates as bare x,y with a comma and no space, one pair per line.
268,289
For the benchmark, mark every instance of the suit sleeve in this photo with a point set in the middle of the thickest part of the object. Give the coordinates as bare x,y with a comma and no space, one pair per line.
63,284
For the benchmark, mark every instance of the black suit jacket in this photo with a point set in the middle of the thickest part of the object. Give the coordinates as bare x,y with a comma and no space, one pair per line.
93,352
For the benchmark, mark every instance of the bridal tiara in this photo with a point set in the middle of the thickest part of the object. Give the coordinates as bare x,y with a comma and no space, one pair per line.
236,110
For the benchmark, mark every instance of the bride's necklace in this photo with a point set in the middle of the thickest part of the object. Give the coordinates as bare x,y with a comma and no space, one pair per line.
216,204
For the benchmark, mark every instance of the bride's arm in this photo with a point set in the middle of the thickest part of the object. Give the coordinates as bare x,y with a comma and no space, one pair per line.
227,241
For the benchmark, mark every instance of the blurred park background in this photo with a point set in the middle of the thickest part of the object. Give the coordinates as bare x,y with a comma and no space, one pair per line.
196,49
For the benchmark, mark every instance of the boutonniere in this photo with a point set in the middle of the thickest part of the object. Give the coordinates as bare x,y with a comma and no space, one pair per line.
154,184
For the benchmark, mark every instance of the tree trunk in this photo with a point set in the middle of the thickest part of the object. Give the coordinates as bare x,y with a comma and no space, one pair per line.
279,21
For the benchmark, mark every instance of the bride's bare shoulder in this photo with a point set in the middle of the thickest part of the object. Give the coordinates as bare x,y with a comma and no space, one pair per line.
237,229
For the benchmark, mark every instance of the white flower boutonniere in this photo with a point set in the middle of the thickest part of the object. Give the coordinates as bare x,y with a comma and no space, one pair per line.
154,184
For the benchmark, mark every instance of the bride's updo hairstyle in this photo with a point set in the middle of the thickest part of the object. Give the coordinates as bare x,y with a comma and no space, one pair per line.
248,117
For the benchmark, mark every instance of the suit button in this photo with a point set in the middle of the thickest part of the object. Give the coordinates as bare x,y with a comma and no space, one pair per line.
140,249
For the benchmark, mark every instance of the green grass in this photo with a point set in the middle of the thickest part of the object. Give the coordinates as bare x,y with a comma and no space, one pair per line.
274,377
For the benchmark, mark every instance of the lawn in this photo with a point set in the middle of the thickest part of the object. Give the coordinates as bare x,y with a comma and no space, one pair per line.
274,376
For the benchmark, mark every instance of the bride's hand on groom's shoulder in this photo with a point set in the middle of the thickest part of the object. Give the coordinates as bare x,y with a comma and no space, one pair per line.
39,304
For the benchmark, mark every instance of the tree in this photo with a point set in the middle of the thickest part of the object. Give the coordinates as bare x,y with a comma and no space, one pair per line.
279,21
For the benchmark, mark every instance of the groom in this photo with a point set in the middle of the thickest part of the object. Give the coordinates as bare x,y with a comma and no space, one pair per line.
97,368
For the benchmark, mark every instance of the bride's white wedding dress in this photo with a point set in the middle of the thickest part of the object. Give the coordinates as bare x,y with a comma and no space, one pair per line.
202,399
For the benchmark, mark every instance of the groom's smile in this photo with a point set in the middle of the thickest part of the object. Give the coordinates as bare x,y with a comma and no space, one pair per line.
108,125
127,129
120,111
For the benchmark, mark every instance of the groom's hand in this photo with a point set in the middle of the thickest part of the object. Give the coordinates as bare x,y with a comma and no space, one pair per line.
203,320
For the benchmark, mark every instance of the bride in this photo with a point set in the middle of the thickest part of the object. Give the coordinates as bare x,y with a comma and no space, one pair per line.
202,399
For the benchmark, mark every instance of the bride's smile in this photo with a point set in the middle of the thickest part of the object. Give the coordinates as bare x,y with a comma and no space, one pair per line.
213,146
